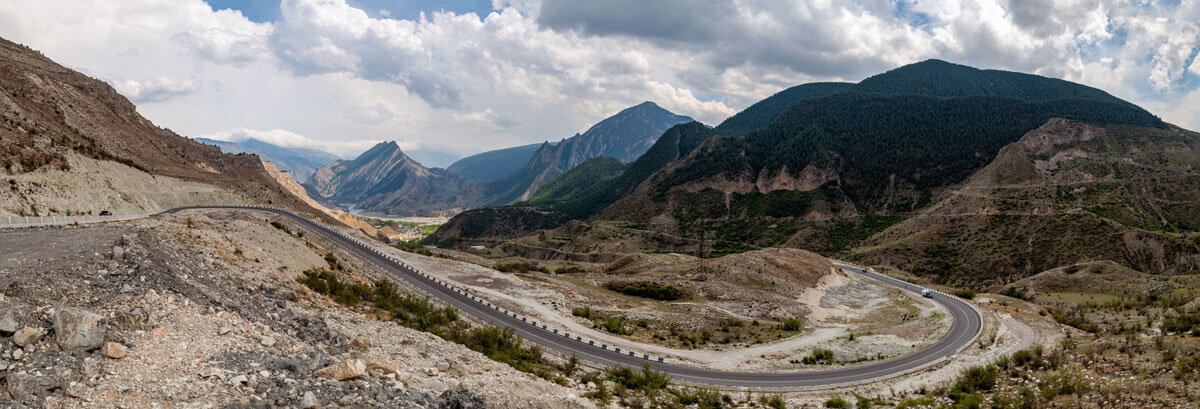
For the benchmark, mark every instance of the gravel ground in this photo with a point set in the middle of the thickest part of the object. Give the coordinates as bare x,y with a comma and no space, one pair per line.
211,316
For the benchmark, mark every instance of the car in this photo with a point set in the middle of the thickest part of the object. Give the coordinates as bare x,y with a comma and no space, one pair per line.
927,293
105,213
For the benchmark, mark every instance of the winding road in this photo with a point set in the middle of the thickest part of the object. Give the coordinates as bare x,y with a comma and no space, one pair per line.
967,323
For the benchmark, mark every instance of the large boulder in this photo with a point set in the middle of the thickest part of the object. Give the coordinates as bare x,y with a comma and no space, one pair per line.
75,328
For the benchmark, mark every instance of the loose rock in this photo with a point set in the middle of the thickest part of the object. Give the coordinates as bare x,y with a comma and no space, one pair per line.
344,370
79,329
113,350
309,400
8,321
28,336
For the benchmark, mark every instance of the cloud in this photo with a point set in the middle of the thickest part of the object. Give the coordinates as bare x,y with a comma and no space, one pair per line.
486,118
323,36
543,69
155,90
277,137
223,45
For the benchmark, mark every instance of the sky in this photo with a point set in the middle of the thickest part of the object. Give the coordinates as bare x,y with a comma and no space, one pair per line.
451,78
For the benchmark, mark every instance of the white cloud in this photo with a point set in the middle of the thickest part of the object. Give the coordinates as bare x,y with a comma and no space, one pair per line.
288,139
463,83
485,118
155,90
277,137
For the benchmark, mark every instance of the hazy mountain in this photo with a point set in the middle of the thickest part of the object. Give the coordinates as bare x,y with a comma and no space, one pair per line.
433,158
300,162
495,164
385,180
623,136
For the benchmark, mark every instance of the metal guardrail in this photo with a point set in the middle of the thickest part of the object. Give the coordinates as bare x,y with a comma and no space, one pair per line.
467,294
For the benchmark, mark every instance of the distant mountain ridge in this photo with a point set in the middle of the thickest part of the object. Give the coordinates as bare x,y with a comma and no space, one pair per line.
385,180
624,136
300,162
494,164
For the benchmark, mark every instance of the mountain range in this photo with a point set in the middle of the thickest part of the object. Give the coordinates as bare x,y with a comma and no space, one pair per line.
868,170
385,180
300,162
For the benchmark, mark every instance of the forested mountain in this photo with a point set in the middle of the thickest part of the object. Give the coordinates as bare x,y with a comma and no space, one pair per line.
300,162
580,181
873,164
384,180
765,111
496,164
623,136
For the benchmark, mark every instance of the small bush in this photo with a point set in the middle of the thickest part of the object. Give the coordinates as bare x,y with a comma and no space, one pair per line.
836,403
793,324
521,268
819,356
651,290
281,226
965,293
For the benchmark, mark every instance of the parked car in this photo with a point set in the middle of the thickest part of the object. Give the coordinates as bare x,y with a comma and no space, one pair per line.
105,213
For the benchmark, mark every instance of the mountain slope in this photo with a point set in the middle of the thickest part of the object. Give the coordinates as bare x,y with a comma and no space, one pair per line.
384,180
623,136
580,181
765,111
300,162
492,165
1065,193
495,224
70,143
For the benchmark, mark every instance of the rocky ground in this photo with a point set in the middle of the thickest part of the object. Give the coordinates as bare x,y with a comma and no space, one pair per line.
202,309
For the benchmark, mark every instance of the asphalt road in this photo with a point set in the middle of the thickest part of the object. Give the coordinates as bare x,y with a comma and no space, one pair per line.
966,325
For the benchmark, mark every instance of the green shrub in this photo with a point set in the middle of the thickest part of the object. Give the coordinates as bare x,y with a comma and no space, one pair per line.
647,380
965,293
793,324
647,289
819,355
281,226
836,403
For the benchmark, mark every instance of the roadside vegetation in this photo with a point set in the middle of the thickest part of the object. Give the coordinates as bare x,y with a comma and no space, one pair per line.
646,289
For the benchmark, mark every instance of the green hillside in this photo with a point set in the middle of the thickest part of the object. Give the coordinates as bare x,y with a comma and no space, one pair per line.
581,181
524,217
765,111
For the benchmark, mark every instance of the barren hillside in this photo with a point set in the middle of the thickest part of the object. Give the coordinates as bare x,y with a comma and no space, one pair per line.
63,135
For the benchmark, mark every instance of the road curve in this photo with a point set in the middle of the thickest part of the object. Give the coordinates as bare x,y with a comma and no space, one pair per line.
967,323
